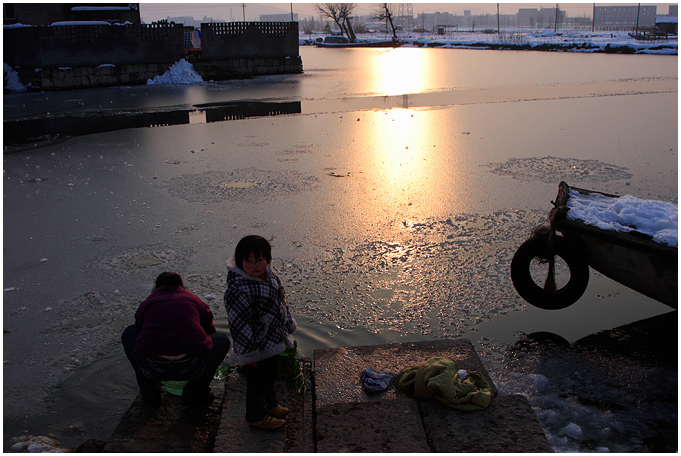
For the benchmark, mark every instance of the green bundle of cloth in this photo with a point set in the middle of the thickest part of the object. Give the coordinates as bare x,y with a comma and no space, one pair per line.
438,378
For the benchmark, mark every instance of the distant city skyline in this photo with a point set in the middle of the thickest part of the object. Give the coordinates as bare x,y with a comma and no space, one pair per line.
235,11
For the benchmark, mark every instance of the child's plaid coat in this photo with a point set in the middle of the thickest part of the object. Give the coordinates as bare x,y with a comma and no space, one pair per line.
259,320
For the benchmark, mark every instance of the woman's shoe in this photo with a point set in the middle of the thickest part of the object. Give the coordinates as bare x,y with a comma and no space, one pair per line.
278,411
268,423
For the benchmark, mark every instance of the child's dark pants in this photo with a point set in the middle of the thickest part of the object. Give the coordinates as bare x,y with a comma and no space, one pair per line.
260,395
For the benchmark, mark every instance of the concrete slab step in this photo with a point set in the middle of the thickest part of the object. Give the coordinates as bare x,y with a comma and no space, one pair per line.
234,435
386,426
167,428
337,370
339,416
350,420
508,425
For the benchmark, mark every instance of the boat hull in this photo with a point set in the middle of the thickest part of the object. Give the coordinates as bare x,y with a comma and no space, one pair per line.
630,258
376,44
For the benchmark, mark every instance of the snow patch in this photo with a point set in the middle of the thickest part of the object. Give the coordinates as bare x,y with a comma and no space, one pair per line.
181,72
627,213
574,431
11,79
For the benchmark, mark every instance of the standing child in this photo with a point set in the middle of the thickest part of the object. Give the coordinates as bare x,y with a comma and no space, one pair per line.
261,327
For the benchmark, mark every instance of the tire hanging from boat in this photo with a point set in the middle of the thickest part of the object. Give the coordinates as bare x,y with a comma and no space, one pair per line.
542,297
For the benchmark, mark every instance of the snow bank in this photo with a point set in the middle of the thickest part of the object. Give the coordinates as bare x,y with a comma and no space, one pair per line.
564,40
11,79
13,26
627,213
181,72
36,444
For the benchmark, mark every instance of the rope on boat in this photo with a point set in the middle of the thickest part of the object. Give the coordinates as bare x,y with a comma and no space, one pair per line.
558,212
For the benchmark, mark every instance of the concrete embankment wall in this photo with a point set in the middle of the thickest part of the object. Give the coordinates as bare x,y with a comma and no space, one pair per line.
83,56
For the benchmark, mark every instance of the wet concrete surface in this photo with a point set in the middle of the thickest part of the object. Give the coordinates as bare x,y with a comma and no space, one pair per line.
169,427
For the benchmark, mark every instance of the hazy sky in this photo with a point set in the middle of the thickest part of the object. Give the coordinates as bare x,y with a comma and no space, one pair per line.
234,12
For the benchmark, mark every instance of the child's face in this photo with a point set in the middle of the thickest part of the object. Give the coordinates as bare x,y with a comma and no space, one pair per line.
254,265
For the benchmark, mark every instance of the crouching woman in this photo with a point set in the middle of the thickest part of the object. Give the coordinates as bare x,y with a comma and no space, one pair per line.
174,338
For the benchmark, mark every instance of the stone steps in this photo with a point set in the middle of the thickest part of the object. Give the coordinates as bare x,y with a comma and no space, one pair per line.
336,415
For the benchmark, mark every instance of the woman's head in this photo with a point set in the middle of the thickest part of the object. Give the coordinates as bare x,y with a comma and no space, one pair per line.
169,279
250,249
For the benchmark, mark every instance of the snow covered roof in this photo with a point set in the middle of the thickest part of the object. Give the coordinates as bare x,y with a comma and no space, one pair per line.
667,20
100,8
61,23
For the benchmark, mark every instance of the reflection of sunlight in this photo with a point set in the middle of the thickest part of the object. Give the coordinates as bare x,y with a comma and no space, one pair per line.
405,153
197,116
402,71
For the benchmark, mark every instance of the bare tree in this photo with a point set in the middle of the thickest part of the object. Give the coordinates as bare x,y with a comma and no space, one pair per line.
341,14
385,13
345,11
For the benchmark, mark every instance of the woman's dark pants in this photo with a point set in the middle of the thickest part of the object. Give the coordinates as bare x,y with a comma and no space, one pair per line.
196,389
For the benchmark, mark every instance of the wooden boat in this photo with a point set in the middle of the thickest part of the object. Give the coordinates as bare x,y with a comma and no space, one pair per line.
342,42
630,258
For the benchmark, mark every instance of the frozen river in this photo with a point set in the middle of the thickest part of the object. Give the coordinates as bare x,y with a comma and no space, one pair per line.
394,199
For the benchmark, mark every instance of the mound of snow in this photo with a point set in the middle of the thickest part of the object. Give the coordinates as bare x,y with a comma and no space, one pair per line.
627,213
11,79
181,72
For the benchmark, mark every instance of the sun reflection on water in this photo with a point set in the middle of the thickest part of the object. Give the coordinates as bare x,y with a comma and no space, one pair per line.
407,154
402,71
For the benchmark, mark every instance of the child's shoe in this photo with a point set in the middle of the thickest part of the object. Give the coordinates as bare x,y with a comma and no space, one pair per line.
278,411
268,423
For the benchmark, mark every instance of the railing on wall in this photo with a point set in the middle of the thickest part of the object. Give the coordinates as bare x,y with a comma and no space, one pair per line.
88,45
238,40
268,29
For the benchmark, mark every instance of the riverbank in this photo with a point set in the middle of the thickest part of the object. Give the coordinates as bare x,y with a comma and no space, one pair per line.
545,40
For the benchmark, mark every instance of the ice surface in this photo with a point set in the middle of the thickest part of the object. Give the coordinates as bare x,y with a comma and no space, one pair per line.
627,213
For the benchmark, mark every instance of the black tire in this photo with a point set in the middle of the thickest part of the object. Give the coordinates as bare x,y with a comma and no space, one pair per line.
538,296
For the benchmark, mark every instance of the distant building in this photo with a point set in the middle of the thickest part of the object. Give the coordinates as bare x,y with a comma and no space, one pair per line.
48,13
285,17
189,21
674,10
624,17
540,18
667,24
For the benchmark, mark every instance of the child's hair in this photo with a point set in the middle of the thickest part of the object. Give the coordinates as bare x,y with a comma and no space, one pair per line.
171,279
255,244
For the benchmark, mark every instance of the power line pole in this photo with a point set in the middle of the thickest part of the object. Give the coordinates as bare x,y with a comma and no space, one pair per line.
243,7
498,30
593,19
